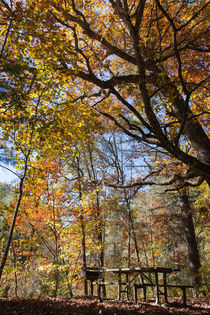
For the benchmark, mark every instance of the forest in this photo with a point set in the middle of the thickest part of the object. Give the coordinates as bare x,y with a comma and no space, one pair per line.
104,123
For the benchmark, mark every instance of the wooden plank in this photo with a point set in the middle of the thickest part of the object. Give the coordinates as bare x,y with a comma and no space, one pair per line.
143,269
168,285
106,283
180,286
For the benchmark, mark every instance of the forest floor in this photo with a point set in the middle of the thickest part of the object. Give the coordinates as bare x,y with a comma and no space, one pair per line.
88,306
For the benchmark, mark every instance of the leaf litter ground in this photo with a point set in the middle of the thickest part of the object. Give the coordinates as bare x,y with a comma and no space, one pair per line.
88,306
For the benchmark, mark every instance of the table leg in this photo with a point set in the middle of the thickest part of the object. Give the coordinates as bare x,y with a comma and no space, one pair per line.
165,287
145,292
119,286
127,286
157,288
91,287
184,296
99,292
135,293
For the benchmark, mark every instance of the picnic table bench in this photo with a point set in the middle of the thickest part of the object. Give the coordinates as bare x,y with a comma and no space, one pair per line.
183,287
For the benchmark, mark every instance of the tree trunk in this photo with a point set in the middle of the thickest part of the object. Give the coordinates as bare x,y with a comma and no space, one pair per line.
56,260
100,238
98,218
82,229
9,241
15,266
189,230
84,252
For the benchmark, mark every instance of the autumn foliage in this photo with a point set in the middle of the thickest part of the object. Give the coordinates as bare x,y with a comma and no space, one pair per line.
99,99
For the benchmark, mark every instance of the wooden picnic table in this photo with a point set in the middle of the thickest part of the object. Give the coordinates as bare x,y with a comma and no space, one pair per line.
155,277
145,273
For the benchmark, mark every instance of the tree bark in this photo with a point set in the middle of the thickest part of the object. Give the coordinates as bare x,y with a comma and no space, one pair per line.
189,230
56,260
84,252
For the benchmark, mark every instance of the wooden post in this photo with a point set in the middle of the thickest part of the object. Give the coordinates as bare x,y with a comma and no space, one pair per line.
99,292
165,287
157,288
91,287
119,285
135,293
184,296
127,286
145,292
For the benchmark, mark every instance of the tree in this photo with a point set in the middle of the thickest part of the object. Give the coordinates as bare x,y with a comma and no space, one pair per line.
21,123
147,74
